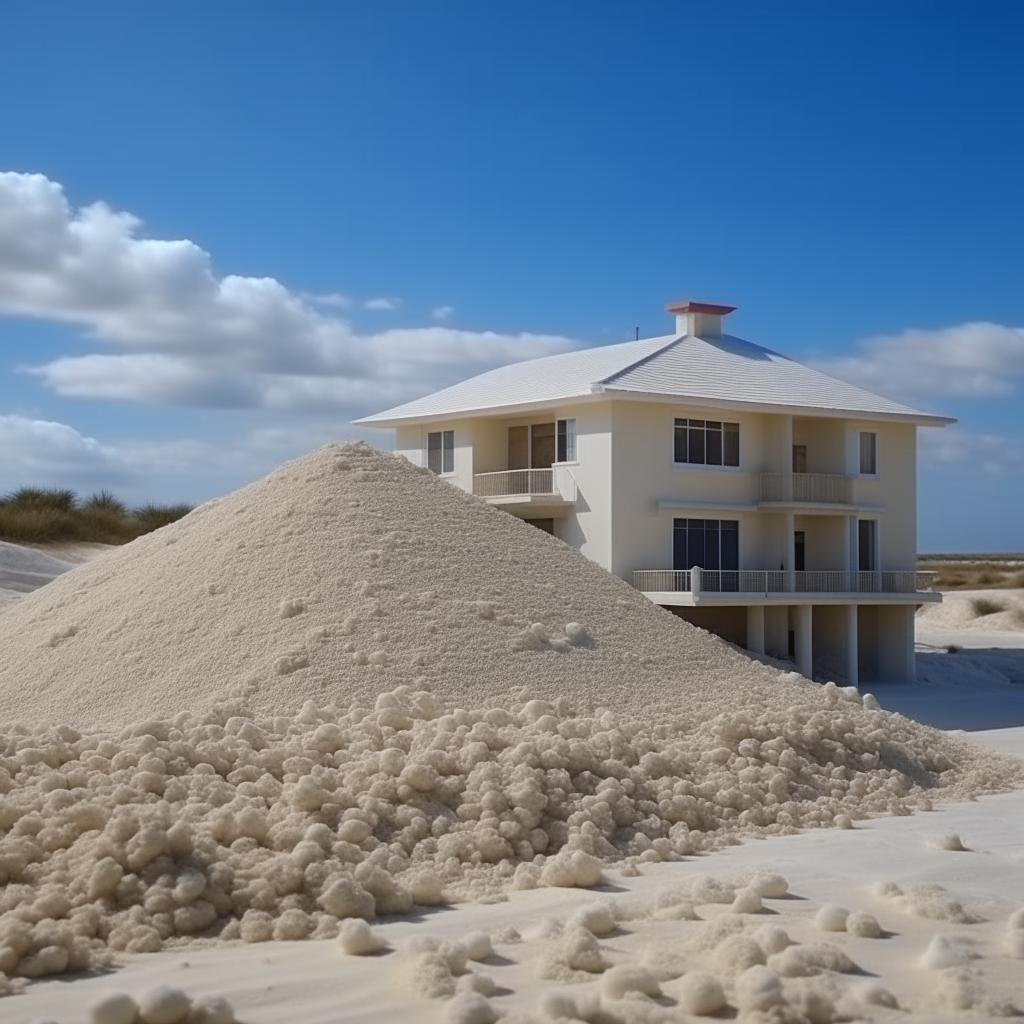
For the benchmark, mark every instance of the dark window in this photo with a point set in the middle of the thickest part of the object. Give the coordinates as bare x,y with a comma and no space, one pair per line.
706,442
866,545
731,444
441,451
565,450
868,453
708,543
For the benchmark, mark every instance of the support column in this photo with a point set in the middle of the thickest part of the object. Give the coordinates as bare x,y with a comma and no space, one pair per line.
755,628
804,649
852,652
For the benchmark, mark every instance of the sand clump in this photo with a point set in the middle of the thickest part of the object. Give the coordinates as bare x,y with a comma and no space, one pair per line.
449,761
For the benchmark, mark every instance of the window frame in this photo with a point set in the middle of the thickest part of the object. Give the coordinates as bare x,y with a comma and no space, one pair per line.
446,449
719,521
571,449
710,437
873,473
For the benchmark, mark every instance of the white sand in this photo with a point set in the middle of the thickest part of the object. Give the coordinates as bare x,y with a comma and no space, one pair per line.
316,983
24,568
338,577
572,725
992,610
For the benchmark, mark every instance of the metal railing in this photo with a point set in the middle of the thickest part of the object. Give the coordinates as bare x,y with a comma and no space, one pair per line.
527,483
833,488
779,581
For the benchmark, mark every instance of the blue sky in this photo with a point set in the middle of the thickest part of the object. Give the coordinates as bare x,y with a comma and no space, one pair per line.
434,188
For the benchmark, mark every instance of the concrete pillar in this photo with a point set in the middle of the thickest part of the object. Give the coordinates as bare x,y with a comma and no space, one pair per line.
755,628
804,649
852,653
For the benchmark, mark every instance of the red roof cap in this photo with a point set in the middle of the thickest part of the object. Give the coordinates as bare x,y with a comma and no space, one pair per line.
694,306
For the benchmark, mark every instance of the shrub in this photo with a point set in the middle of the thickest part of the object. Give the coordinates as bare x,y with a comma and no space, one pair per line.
152,517
985,606
104,501
33,515
55,499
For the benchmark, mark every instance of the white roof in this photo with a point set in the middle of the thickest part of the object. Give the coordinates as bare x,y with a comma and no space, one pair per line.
725,371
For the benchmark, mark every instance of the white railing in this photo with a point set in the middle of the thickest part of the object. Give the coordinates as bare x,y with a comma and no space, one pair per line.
779,581
527,483
826,487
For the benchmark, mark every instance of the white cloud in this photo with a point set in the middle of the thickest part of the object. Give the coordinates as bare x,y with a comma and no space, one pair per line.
169,330
442,312
383,304
972,360
994,454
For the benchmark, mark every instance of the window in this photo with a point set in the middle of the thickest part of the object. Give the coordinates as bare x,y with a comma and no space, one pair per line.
441,451
868,453
707,443
565,450
708,543
867,544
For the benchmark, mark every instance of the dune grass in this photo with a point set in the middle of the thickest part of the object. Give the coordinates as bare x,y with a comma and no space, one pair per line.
34,515
977,572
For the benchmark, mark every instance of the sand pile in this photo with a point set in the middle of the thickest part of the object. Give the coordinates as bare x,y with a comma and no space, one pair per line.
338,577
990,610
547,720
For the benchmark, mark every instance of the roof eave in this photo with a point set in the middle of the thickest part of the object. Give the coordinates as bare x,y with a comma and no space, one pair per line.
918,418
489,410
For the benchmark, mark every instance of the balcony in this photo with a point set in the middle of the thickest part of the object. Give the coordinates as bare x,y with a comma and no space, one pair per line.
739,586
806,488
554,487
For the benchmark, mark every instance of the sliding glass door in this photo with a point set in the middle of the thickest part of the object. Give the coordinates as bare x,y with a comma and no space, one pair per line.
712,544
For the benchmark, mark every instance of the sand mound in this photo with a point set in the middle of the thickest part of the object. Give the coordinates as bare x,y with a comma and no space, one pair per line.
988,610
315,592
338,577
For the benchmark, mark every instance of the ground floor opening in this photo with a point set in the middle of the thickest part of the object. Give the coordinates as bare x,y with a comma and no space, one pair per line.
847,643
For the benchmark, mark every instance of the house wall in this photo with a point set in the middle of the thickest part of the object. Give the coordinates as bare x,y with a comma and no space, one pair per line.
625,467
644,473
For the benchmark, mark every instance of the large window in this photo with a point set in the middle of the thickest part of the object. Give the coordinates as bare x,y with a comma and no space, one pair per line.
708,543
565,450
707,442
868,453
441,451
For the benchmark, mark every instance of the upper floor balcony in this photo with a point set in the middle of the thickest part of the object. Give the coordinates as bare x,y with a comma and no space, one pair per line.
554,487
806,488
779,586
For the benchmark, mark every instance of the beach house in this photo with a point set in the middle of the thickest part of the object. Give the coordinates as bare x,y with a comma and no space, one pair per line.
747,493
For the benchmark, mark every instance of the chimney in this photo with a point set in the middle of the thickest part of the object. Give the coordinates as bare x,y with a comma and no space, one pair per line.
700,319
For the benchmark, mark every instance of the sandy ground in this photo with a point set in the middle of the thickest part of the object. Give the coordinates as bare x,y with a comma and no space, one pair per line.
315,983
24,568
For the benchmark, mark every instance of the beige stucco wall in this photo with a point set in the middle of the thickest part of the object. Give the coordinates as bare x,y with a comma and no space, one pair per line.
625,467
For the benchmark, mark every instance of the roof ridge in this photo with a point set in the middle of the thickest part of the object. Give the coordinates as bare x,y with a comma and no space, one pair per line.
674,340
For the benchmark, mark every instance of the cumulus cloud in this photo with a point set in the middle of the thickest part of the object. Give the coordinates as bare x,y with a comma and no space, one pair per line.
384,304
994,454
972,360
168,329
442,312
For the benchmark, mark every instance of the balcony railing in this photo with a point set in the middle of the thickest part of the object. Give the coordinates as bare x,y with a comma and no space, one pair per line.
525,483
779,581
833,488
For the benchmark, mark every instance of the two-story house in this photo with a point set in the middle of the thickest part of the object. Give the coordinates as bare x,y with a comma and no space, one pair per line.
747,493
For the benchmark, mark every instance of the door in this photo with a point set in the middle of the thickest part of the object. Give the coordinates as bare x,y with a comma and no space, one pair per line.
542,445
799,458
867,552
518,447
711,544
799,550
